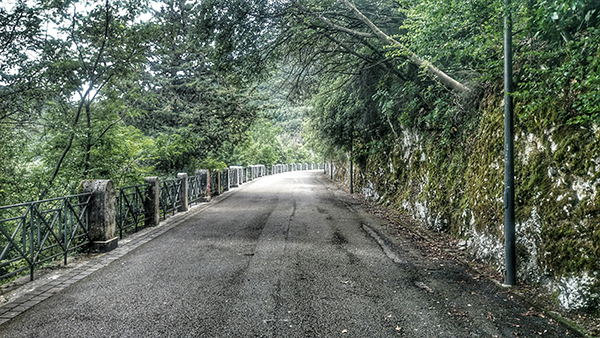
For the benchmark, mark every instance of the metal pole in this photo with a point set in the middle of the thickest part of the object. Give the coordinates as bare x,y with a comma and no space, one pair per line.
351,161
351,168
331,168
509,167
351,176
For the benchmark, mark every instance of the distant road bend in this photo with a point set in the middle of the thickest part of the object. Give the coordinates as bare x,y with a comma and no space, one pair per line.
288,255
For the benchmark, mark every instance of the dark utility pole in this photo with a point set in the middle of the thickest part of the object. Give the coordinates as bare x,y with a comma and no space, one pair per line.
509,166
352,162
331,168
351,176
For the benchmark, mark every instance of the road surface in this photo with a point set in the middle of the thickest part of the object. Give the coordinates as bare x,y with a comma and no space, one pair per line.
288,255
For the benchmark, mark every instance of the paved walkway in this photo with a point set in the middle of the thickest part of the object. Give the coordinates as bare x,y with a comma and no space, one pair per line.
50,284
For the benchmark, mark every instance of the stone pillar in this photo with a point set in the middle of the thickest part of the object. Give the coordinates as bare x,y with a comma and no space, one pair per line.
204,184
233,177
152,202
215,187
219,181
183,194
101,214
225,180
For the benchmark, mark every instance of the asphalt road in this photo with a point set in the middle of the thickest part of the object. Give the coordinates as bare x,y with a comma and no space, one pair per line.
288,255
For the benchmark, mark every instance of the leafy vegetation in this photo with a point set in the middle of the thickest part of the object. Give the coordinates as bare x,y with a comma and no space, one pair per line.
408,89
122,89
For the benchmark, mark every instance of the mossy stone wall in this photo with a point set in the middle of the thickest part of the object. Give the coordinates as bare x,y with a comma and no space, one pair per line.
459,189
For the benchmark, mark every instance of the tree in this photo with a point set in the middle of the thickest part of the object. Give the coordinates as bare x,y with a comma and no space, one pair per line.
202,64
414,58
19,34
102,45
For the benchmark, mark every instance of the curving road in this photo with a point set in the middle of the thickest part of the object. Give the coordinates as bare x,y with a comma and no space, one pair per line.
288,255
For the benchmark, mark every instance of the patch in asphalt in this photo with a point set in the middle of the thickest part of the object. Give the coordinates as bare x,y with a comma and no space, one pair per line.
384,246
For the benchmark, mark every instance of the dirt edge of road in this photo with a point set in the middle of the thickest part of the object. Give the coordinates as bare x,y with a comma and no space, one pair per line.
442,245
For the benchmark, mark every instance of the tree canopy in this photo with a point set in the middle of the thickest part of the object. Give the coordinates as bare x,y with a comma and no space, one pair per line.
160,86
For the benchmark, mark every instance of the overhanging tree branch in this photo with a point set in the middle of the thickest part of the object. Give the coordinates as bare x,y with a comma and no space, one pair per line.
333,26
414,58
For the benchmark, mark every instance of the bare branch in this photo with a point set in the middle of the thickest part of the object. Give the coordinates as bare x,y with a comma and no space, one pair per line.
67,148
106,130
341,28
75,40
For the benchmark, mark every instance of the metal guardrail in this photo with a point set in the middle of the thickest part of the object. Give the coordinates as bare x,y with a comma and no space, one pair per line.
194,189
198,186
37,232
170,196
130,208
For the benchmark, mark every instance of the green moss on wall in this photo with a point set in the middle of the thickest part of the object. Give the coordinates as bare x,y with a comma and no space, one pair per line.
484,175
459,188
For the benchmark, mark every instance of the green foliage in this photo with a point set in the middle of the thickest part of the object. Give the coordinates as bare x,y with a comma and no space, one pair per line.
110,149
262,145
212,164
464,37
196,103
574,69
110,95
568,249
432,149
19,167
560,20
